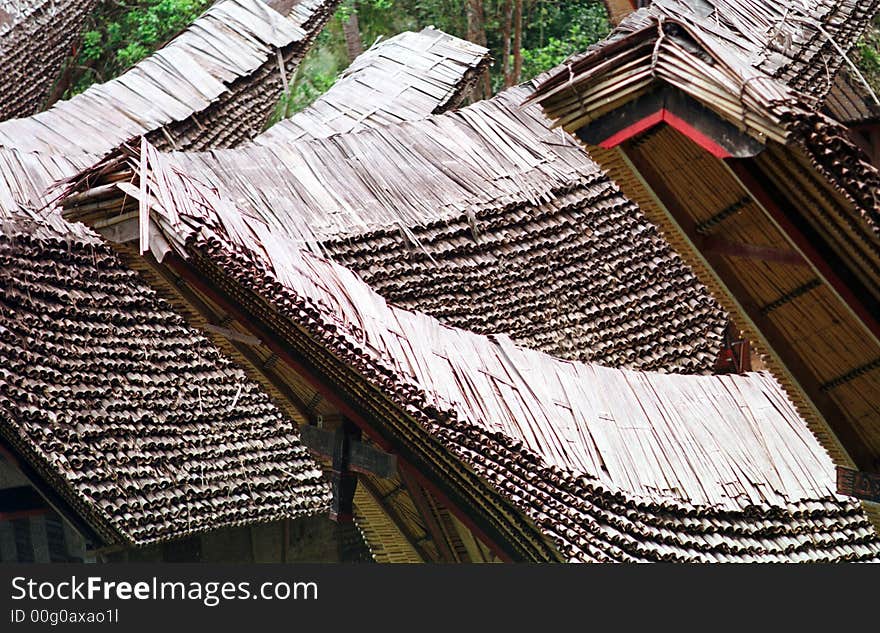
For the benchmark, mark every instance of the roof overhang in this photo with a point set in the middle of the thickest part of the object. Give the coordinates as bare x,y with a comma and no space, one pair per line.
674,108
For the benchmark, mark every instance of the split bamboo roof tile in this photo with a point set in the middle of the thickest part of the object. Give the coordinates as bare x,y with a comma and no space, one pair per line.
490,221
607,464
215,84
134,418
403,78
36,37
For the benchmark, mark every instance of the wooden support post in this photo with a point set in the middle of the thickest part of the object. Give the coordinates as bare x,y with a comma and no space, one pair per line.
418,496
344,481
395,517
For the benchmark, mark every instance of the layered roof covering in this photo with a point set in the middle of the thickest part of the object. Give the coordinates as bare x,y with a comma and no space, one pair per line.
215,84
851,102
749,151
404,78
134,418
36,37
490,221
607,464
764,70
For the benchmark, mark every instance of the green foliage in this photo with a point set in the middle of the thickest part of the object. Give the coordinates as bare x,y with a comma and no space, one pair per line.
587,26
868,56
124,32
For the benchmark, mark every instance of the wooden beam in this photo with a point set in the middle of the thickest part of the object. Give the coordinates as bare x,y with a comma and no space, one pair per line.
395,517
421,502
774,339
752,251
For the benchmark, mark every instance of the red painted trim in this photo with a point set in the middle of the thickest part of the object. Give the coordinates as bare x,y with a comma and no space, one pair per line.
743,172
665,116
180,267
635,129
706,142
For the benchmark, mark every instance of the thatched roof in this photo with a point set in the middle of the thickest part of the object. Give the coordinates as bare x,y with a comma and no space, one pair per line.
134,419
36,37
137,421
403,78
765,70
755,76
213,85
851,102
490,221
605,464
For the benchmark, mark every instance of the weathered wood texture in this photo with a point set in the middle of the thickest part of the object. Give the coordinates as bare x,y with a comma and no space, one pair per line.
36,37
609,464
404,78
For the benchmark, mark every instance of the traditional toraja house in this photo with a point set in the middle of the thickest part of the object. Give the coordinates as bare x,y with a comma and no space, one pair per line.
60,279
554,497
121,426
541,459
404,78
131,425
214,85
36,36
707,114
489,221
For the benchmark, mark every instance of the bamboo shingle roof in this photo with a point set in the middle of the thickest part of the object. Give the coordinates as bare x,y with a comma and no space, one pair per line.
490,221
850,102
36,37
215,84
403,78
135,419
767,72
607,464
761,72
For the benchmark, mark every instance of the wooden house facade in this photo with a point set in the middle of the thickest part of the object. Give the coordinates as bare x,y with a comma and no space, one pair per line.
710,116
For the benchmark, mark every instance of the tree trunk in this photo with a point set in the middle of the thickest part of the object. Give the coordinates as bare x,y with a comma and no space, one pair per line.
517,43
507,26
476,25
352,32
